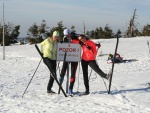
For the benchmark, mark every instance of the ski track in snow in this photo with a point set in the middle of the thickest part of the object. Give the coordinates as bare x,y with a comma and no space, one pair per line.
36,100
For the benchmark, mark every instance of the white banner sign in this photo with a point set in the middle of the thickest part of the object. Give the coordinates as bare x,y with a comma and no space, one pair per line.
72,50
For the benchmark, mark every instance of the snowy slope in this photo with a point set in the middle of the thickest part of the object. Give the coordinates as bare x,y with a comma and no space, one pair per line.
130,92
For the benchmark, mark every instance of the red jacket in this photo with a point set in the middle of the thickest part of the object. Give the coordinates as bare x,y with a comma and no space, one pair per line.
89,54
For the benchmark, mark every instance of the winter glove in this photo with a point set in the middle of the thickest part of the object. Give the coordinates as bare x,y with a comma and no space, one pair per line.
88,47
98,45
81,43
61,41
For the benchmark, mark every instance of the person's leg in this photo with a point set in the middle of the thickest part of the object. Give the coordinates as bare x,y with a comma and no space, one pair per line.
62,74
96,68
85,74
63,70
74,66
52,64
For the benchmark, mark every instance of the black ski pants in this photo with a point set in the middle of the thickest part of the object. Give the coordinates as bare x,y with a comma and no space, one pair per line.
52,64
95,67
74,66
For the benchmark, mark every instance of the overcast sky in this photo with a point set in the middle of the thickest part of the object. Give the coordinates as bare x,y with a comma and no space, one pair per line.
94,13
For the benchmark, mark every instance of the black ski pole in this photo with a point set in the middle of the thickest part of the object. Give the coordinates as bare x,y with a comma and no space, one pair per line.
31,78
90,74
58,66
104,81
78,78
62,71
112,69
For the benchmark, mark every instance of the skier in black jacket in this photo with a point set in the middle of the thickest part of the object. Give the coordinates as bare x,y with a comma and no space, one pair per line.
70,38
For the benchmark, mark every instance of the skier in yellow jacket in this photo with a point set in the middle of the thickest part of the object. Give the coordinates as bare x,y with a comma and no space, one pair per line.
48,47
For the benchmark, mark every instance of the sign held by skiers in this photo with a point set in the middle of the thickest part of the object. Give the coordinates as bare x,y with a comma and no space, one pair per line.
73,52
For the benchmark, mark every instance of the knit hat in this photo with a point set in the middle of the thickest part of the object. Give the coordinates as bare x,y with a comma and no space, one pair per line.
67,32
56,33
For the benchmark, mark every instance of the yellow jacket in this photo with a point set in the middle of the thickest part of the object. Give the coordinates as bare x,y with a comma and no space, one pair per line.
48,47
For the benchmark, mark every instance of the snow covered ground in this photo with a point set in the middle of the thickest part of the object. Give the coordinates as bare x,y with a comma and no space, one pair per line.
130,91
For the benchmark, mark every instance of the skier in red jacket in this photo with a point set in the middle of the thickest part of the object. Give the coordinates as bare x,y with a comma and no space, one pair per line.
89,53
